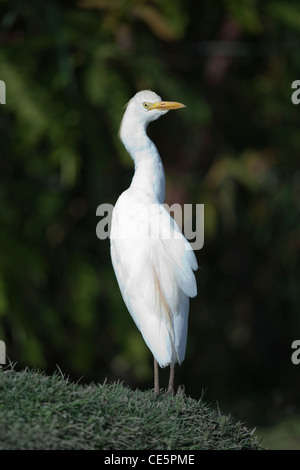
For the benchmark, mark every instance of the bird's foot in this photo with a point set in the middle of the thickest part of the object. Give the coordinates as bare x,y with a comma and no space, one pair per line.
181,390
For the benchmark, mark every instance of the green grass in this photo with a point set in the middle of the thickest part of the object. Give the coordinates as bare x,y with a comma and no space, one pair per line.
42,412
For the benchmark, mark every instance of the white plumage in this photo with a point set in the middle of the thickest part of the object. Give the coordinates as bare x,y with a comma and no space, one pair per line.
153,261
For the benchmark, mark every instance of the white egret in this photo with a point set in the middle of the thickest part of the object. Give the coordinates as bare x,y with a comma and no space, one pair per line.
153,261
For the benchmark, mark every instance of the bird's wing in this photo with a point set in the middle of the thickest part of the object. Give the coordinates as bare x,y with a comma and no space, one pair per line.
155,274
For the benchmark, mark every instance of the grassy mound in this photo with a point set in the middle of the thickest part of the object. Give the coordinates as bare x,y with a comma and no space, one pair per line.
41,412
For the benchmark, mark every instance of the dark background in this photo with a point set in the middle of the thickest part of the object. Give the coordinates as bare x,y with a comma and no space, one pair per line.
69,68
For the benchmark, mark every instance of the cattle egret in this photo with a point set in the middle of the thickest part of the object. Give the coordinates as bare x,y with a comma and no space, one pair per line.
153,261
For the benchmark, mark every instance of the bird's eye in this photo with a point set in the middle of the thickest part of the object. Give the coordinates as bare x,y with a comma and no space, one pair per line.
146,105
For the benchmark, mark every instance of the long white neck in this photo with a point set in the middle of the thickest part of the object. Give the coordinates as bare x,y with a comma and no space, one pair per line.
149,176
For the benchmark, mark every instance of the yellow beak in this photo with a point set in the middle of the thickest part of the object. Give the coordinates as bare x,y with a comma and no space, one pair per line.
166,105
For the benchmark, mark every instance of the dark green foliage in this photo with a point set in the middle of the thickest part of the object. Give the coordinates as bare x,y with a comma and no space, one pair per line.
41,412
69,68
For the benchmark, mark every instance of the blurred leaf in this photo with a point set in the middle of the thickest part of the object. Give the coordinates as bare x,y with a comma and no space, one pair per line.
156,22
286,13
246,13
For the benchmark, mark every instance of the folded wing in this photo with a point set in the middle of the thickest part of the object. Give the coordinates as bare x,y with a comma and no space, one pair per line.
155,272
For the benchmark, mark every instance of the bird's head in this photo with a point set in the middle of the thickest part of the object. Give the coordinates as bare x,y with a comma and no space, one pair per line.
147,106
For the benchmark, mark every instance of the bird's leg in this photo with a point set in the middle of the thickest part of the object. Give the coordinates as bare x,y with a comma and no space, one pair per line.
171,380
156,377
